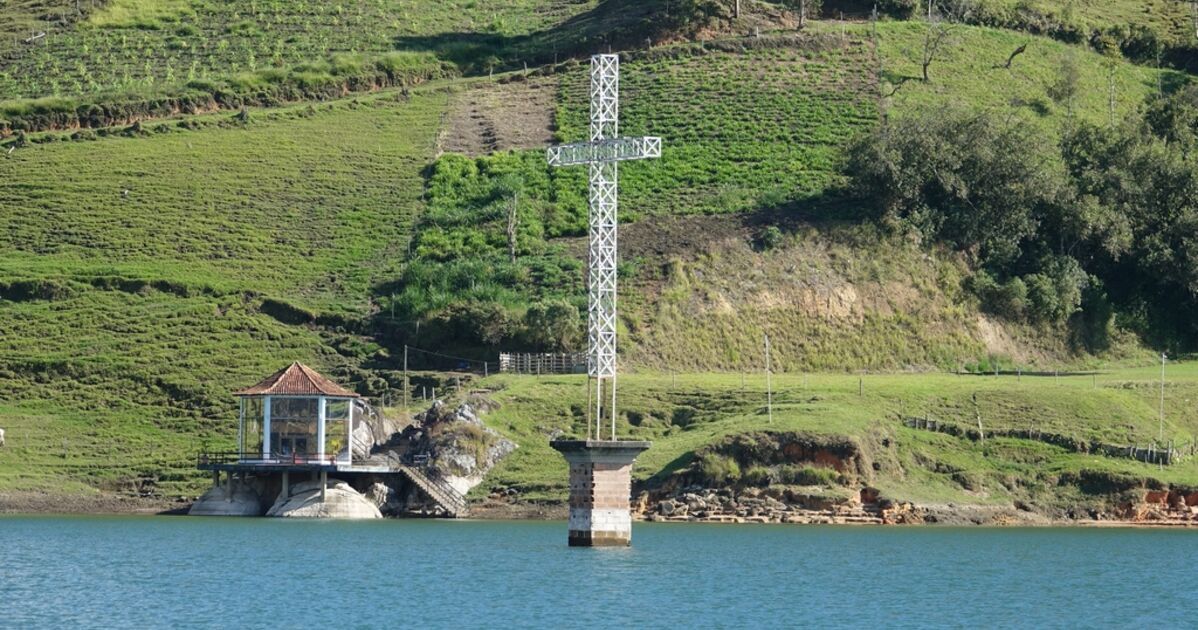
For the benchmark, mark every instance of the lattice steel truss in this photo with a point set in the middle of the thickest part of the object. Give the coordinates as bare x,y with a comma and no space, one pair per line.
603,154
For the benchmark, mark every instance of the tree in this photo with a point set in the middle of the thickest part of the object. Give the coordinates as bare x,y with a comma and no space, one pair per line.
1067,86
554,325
977,182
940,29
805,8
508,189
933,40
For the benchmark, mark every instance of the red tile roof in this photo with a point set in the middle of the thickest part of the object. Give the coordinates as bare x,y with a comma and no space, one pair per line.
296,379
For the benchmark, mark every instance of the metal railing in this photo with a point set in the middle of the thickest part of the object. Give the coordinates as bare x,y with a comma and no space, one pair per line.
273,459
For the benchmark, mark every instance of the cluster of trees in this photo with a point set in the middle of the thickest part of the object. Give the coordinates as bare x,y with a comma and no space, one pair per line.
1100,224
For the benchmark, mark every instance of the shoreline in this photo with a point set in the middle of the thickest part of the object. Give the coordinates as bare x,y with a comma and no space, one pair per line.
30,503
45,504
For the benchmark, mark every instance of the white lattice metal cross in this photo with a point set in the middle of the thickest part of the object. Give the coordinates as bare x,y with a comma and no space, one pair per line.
603,153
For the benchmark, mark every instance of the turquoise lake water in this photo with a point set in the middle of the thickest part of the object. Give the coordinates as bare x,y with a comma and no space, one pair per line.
256,573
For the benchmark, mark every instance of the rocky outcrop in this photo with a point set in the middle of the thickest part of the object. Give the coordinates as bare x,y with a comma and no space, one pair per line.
459,447
243,501
1162,507
340,501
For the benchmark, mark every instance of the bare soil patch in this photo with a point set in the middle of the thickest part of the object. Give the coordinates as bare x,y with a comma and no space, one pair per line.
501,116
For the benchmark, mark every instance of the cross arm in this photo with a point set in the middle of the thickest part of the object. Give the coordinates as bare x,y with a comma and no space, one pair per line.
611,150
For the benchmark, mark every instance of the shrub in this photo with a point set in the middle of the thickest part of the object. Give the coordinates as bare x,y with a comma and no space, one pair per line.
758,476
807,475
1142,44
718,469
483,323
769,238
1007,299
901,9
1055,293
554,325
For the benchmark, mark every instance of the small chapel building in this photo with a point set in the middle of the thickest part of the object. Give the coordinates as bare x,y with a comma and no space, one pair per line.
296,417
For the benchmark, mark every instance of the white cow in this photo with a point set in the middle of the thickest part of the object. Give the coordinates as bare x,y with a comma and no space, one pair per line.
1,437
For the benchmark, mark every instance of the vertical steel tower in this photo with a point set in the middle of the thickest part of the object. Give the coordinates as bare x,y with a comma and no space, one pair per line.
602,154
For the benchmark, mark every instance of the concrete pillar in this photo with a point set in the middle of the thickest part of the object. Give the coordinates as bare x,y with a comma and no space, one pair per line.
286,484
324,482
600,490
229,487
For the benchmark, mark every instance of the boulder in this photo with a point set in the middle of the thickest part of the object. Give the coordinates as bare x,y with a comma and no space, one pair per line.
465,413
216,502
341,501
385,498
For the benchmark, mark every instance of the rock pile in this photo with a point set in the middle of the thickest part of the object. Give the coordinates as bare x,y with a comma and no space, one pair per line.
774,505
1163,507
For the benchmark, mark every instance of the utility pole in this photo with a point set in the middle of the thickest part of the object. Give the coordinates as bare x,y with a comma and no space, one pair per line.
769,383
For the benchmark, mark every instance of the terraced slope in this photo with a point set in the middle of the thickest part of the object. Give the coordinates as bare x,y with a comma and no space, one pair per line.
141,45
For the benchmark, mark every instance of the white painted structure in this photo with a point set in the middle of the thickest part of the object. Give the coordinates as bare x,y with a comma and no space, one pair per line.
602,154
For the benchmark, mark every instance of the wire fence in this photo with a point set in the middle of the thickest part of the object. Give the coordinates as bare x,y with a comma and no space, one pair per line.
1150,453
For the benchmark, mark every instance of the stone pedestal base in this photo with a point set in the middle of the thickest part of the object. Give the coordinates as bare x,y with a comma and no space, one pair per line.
600,490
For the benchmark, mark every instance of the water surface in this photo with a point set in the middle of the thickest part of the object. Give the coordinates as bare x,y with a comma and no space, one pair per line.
257,573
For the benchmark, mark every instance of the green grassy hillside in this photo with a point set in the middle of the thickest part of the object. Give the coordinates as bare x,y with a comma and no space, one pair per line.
145,277
682,413
148,268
